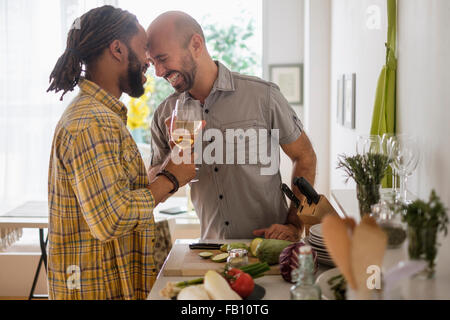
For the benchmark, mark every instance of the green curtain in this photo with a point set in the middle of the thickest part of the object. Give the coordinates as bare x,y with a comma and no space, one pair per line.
384,111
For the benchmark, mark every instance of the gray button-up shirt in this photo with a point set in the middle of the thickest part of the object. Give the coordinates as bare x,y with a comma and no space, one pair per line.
233,200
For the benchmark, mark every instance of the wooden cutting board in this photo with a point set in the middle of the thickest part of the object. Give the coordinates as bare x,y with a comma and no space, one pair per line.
183,262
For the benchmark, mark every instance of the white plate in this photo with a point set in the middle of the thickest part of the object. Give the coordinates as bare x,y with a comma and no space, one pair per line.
316,245
320,251
315,241
316,230
322,282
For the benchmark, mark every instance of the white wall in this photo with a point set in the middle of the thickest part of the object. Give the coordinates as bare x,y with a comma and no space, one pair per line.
423,98
354,49
317,86
423,89
283,43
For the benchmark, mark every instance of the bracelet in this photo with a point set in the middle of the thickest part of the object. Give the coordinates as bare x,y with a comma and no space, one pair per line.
172,178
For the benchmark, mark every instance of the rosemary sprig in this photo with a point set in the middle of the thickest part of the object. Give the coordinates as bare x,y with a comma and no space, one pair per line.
367,169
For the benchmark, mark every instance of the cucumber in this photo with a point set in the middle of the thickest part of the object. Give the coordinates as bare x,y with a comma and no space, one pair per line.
205,255
222,257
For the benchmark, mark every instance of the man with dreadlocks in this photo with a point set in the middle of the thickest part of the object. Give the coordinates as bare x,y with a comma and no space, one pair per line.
102,229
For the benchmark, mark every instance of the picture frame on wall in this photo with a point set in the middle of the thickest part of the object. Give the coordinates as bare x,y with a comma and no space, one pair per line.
289,77
349,100
340,101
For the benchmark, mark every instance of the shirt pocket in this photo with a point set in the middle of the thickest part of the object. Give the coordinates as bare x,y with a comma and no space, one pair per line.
241,142
131,163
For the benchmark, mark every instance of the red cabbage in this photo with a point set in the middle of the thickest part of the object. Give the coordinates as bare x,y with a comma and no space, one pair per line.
289,260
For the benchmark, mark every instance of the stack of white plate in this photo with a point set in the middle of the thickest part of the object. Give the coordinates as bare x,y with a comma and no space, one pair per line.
315,240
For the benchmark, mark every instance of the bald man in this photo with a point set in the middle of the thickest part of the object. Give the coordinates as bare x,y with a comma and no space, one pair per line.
233,201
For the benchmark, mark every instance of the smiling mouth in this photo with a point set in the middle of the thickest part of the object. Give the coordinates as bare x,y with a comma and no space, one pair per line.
172,77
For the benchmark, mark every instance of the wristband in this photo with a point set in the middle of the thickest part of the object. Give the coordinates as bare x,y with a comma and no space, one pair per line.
172,178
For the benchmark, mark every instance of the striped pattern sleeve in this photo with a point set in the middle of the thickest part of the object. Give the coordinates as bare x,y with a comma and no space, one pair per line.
100,181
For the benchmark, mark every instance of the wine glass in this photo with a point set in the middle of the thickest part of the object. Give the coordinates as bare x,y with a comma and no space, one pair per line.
406,158
186,124
388,146
368,144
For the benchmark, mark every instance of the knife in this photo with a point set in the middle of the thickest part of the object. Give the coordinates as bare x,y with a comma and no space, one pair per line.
307,190
288,192
205,246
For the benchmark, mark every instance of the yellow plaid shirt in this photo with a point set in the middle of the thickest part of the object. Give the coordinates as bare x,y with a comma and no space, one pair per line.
101,224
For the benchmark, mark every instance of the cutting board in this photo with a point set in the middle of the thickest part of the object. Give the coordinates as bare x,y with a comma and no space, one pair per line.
183,262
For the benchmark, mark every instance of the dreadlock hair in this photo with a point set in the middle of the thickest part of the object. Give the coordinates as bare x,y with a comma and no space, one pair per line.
87,39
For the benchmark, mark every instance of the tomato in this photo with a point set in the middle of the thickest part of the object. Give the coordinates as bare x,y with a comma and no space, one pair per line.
242,283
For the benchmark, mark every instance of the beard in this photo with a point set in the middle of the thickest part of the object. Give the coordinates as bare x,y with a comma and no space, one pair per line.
133,84
188,73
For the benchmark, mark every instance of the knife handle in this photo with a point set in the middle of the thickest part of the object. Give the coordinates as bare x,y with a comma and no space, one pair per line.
305,187
205,246
288,192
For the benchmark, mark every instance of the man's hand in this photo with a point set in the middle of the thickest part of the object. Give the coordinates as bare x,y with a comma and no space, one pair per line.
184,172
279,231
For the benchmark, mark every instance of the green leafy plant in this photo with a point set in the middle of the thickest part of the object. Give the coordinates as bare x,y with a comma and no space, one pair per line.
230,46
367,171
425,221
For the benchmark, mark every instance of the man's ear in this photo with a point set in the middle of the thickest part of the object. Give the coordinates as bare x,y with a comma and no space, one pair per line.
197,44
118,50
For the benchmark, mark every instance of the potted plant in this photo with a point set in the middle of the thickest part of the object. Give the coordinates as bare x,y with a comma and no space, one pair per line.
425,221
367,171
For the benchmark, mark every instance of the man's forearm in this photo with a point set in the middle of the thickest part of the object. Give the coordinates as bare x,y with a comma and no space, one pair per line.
306,169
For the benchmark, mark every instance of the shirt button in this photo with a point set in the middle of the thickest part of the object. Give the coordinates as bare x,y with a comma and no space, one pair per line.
221,197
227,223
216,169
212,140
206,111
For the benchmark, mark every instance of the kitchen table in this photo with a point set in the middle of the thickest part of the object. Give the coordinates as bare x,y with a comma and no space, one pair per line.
34,215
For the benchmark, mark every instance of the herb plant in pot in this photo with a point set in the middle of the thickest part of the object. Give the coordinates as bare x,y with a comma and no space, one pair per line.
367,171
425,221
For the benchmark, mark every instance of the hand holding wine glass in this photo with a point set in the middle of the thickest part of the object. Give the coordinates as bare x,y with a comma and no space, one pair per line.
186,124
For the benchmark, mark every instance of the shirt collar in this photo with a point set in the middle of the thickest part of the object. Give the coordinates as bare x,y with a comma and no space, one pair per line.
224,81
92,89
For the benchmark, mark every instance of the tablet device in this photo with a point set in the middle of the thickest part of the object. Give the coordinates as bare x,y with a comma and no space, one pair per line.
173,211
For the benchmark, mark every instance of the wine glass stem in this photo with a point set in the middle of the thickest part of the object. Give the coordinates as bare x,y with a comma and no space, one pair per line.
403,195
394,180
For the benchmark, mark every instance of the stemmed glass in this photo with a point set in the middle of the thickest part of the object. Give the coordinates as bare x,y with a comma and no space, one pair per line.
388,146
406,158
186,124
368,144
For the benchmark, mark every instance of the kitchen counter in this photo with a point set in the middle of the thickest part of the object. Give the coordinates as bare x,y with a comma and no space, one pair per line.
409,288
276,287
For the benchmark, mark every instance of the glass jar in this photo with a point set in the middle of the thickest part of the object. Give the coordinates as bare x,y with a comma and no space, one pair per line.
237,258
389,220
368,195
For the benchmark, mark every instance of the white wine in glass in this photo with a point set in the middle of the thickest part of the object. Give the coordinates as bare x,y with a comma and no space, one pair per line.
186,124
184,132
